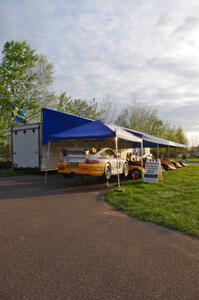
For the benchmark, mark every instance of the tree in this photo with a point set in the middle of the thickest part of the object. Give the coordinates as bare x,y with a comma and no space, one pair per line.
145,119
42,72
24,77
180,136
63,102
142,118
24,80
15,73
83,108
107,110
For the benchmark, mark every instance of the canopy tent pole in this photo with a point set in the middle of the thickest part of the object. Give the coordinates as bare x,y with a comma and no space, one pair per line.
142,165
186,153
116,148
158,151
47,160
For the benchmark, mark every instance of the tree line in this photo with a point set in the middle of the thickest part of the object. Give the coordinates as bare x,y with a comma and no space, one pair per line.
26,79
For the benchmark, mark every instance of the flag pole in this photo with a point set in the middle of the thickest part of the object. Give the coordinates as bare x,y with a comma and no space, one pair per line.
36,113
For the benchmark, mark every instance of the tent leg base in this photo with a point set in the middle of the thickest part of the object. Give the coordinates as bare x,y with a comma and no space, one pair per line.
119,189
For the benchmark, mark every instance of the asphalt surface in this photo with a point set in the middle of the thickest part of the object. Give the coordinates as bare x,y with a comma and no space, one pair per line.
63,242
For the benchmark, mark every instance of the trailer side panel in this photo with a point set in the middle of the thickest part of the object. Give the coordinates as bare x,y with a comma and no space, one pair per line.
26,152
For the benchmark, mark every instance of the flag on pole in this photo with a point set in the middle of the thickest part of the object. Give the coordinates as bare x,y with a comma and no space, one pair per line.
18,114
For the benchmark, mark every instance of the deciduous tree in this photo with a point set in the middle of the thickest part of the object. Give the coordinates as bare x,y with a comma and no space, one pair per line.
25,77
83,108
145,119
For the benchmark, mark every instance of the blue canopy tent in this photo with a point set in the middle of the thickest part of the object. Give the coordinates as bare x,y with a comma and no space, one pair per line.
55,122
95,130
155,142
152,141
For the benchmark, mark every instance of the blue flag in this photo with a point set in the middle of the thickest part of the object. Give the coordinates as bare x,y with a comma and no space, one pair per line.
18,114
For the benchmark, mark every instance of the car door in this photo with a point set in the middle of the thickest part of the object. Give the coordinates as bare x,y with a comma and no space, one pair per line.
113,160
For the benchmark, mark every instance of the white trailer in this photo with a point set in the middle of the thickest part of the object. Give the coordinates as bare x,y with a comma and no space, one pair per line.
28,151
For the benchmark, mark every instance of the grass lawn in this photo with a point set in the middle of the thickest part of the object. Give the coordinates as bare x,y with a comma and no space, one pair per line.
192,159
9,173
173,203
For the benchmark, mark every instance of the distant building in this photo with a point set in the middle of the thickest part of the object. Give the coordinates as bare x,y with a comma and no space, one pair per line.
196,151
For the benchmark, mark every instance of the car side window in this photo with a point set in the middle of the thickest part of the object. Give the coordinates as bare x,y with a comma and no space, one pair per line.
110,153
103,153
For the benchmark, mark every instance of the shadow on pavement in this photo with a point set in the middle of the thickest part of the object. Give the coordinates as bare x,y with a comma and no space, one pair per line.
34,186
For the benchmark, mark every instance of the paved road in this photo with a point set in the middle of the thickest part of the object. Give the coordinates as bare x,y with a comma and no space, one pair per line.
60,242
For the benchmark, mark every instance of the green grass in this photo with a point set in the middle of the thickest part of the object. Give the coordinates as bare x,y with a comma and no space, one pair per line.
192,159
9,173
173,203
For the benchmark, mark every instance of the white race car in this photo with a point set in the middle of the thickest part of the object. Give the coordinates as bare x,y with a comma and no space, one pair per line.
101,163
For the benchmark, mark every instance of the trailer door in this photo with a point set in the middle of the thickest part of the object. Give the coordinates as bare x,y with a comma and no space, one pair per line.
26,147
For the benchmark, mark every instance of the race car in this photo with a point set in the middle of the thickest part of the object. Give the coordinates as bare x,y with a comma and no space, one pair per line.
92,162
167,165
182,163
176,164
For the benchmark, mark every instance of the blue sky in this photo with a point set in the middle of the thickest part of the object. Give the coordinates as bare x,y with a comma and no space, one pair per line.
126,49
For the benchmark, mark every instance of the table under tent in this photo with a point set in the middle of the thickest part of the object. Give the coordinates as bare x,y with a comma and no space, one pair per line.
96,134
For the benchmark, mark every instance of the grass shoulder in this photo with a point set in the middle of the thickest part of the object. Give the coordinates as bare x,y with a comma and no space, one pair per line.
192,160
174,202
9,173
